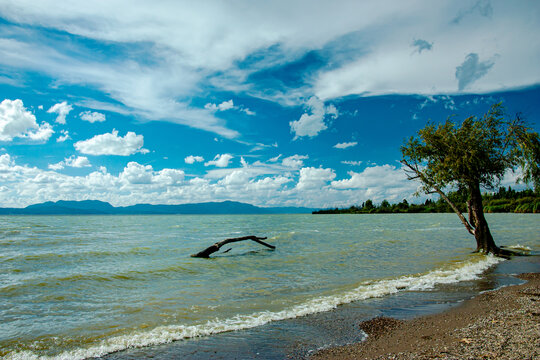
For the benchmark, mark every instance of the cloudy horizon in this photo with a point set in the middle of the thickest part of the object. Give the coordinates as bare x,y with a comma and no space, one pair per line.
296,103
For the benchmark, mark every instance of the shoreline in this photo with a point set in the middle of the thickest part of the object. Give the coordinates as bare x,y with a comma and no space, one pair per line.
498,324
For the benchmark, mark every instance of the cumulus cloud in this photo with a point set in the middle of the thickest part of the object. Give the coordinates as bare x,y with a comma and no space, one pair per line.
220,160
294,161
236,178
77,162
17,121
314,178
136,183
64,136
378,182
135,173
244,162
62,110
228,105
140,183
92,116
471,70
192,159
112,144
72,161
57,166
345,145
312,122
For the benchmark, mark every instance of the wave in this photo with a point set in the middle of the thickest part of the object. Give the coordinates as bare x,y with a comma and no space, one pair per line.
463,271
78,255
518,247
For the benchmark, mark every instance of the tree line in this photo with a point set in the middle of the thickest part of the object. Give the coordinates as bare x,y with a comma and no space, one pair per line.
505,200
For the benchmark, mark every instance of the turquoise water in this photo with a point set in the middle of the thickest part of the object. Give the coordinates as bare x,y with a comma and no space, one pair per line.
87,286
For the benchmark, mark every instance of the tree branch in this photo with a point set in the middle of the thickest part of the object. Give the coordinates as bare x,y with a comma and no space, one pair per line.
212,249
423,178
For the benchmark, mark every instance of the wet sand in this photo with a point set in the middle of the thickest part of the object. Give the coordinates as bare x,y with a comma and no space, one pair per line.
500,324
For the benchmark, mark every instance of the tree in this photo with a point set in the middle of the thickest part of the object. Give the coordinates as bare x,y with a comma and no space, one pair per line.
473,155
368,205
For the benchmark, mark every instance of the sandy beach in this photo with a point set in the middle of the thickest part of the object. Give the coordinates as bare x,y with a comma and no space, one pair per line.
500,324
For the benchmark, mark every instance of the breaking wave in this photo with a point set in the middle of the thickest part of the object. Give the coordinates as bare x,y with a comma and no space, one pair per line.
462,271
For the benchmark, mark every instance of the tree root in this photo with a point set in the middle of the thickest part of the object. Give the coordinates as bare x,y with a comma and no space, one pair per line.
503,252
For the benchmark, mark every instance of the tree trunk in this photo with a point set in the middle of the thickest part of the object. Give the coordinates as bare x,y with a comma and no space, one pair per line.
484,240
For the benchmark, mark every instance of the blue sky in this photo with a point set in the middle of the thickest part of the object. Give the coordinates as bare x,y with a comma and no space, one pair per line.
276,103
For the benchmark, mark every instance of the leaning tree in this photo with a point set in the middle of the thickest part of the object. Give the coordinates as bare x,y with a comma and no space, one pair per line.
470,156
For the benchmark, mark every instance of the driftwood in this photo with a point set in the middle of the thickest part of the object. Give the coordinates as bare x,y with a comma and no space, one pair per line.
212,249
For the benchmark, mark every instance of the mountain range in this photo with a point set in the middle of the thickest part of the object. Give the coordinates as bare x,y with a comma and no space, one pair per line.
95,207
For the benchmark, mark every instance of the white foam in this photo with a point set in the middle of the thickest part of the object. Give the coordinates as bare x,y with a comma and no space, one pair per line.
519,247
467,270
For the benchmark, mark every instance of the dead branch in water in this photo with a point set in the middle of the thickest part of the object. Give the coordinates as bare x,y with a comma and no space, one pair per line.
212,249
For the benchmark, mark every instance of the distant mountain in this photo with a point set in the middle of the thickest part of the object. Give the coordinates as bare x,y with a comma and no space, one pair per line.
95,207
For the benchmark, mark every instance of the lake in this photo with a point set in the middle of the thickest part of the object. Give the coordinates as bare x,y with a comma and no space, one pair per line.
94,286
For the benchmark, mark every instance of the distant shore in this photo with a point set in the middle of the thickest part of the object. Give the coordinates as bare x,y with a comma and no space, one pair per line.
500,324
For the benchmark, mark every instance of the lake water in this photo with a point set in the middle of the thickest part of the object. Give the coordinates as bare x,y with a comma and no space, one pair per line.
91,286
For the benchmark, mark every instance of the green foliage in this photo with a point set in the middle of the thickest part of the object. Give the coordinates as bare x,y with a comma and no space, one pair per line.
506,200
525,201
476,152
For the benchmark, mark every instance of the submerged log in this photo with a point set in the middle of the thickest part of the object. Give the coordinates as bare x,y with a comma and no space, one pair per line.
212,249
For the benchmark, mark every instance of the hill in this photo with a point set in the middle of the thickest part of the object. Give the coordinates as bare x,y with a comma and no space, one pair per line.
95,207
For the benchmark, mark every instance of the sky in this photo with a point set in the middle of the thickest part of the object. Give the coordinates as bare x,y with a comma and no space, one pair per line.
272,103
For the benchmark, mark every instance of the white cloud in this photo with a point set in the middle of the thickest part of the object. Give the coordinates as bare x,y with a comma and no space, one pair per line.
228,105
77,162
220,160
135,173
72,161
192,159
314,178
352,162
294,161
151,95
345,145
112,144
236,178
312,124
62,110
388,66
16,121
259,184
275,159
169,177
248,111
64,136
379,182
206,45
243,162
57,166
92,116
